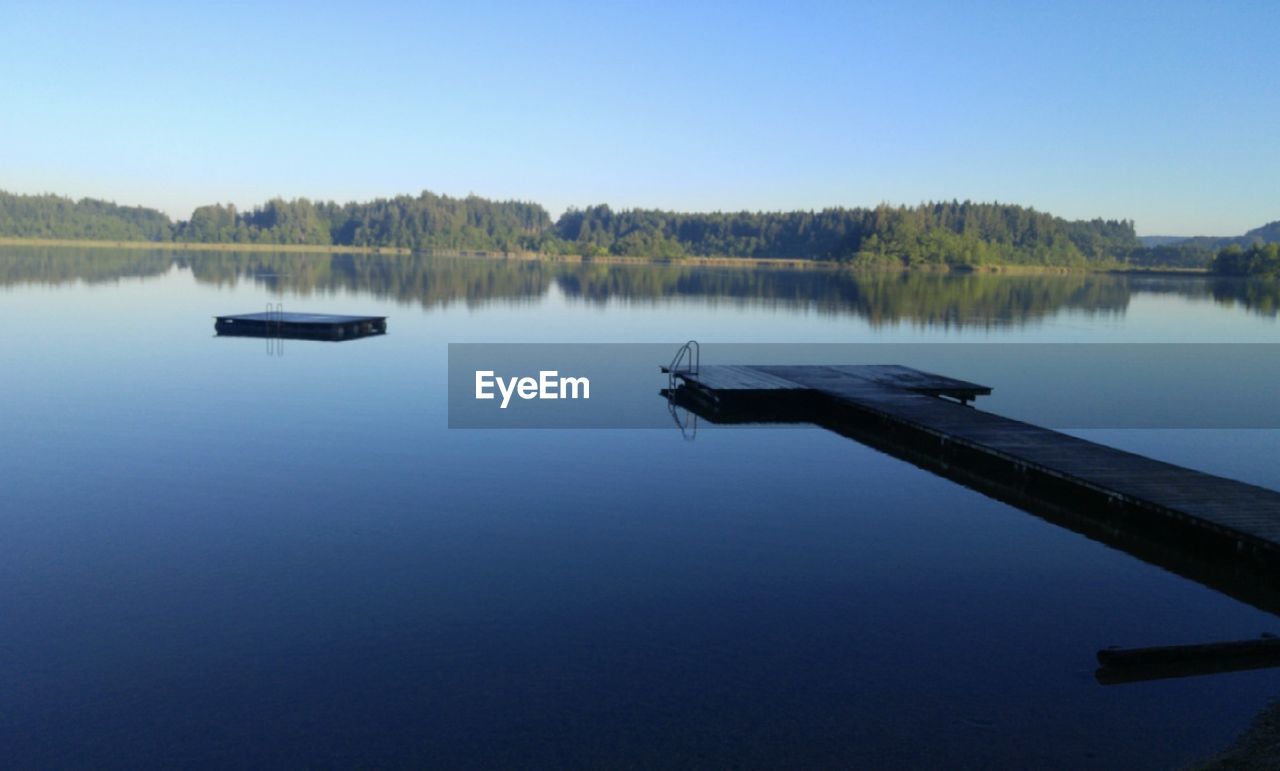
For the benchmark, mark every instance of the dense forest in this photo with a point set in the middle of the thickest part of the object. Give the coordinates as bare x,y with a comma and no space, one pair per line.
1258,259
52,216
423,223
1175,255
950,234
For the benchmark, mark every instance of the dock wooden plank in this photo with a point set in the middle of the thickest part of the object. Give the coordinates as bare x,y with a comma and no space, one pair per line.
898,376
730,377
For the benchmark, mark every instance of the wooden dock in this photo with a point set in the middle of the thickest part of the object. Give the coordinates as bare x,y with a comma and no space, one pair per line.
1222,532
300,326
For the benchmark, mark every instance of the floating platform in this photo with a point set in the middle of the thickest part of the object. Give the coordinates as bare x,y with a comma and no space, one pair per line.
300,326
1218,531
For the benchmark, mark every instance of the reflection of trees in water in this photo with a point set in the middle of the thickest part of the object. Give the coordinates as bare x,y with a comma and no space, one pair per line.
1261,296
429,281
924,298
942,299
45,265
1258,295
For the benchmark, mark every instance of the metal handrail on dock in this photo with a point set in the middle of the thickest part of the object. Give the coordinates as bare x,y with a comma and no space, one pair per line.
693,352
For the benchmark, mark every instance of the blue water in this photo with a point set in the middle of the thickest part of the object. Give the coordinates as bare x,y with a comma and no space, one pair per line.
210,555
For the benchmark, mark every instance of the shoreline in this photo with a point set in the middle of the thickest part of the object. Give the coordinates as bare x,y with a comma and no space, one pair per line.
792,263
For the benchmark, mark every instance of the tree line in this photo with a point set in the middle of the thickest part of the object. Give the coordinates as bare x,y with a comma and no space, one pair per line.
953,234
422,223
53,216
945,233
1258,259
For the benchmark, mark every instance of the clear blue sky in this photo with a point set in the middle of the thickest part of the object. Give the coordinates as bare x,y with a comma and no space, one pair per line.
1165,112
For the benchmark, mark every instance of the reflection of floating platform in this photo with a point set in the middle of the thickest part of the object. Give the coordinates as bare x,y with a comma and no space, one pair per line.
1129,495
300,326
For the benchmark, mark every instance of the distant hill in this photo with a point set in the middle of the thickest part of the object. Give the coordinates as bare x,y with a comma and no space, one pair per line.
1197,251
1150,241
1268,233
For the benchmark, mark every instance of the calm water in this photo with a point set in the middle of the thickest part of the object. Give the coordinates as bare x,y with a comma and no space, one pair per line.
212,555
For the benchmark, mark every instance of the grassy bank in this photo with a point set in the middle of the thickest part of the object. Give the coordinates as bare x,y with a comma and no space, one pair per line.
182,246
1162,271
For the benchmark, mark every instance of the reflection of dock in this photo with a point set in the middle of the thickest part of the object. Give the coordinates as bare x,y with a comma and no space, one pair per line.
300,326
1218,531
1140,664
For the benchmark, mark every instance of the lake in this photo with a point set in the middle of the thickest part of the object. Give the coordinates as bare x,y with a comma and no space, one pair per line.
219,552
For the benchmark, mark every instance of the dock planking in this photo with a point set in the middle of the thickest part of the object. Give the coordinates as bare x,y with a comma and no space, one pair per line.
739,379
1237,518
300,326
